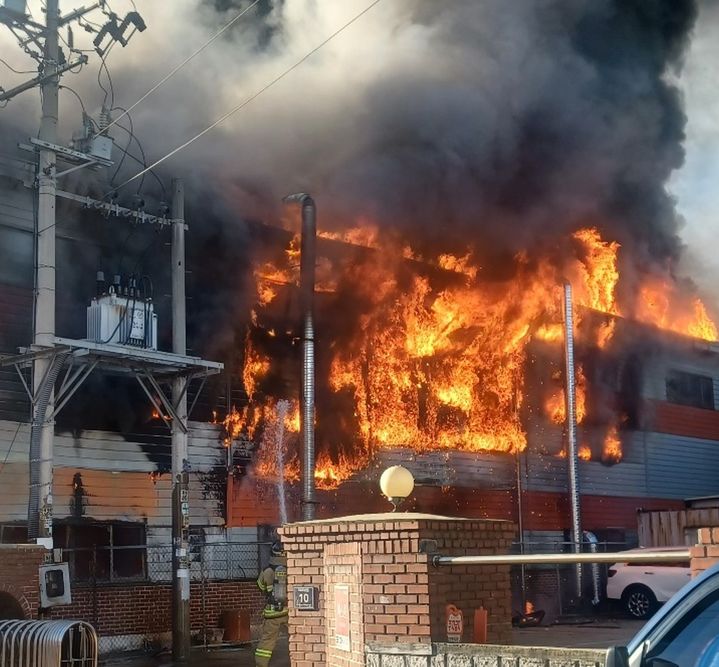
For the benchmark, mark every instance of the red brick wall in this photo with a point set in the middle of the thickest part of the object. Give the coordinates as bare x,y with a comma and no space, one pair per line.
469,587
343,566
144,608
20,575
403,596
706,553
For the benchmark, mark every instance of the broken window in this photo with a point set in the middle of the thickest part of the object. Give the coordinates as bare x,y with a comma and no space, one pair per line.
690,389
108,551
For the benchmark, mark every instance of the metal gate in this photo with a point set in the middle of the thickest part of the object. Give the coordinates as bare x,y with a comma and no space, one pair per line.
47,644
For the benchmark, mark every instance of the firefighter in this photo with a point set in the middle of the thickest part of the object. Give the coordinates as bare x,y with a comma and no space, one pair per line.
273,583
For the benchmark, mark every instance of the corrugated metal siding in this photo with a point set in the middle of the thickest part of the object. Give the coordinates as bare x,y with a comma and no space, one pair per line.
545,511
681,467
15,331
116,476
450,468
680,356
683,420
549,473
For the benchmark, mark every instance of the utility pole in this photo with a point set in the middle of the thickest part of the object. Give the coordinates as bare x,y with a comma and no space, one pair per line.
41,463
41,42
180,477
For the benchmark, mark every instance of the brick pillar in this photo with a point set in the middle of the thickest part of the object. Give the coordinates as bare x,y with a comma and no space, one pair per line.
20,575
706,552
375,566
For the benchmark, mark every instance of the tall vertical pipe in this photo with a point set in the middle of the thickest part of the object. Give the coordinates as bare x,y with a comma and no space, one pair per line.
307,397
571,411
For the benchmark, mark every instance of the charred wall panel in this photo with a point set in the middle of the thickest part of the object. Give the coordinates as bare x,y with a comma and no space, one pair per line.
103,476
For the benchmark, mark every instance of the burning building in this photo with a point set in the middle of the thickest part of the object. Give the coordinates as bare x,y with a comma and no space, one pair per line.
459,374
500,151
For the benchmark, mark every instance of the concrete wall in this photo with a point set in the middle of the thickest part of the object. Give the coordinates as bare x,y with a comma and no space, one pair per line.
476,655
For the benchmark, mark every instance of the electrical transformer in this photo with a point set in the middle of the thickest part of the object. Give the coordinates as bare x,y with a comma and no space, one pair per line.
122,316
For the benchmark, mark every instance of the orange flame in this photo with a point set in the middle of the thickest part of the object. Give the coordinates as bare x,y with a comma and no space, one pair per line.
555,406
433,367
255,368
612,451
330,474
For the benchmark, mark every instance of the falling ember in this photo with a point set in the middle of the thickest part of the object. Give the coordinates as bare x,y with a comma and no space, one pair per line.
612,451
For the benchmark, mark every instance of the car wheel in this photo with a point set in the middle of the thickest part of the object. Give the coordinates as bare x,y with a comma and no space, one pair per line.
639,602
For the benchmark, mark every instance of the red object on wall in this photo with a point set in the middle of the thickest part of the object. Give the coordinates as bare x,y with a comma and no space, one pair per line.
455,624
480,626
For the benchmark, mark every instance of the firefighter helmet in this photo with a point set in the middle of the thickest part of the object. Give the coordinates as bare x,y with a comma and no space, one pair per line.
278,549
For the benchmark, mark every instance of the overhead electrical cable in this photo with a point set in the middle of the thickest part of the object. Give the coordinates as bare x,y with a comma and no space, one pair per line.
17,71
186,60
252,97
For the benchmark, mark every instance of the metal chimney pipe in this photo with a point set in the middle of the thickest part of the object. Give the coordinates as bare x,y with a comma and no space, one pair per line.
593,546
571,421
307,396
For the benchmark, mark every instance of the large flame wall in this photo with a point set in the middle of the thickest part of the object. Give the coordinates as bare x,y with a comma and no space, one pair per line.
432,352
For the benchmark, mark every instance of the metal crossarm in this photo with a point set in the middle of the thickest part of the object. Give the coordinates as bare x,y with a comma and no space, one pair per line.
151,368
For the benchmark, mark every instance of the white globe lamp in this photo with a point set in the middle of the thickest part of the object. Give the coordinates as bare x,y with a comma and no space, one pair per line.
396,484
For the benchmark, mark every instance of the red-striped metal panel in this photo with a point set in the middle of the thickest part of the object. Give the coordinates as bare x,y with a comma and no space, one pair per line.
682,420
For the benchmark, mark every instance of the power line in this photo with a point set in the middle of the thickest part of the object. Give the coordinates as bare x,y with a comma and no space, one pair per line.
186,60
103,64
17,71
253,97
62,86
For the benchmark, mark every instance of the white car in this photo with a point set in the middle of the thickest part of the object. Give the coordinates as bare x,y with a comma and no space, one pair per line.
642,587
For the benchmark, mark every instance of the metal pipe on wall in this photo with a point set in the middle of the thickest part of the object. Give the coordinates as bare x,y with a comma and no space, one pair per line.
593,542
572,449
307,398
648,556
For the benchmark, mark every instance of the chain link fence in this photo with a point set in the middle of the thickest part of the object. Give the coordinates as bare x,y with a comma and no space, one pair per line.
125,592
545,593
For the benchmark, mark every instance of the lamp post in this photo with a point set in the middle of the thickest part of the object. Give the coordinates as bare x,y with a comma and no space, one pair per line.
396,483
